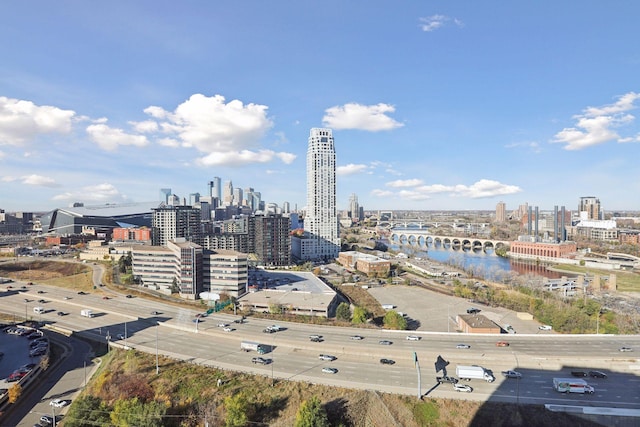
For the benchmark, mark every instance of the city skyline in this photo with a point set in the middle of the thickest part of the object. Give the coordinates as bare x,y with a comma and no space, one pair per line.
434,106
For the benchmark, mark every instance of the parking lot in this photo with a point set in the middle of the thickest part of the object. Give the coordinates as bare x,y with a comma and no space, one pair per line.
435,312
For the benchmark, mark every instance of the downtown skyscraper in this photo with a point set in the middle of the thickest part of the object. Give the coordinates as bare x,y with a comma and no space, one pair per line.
322,239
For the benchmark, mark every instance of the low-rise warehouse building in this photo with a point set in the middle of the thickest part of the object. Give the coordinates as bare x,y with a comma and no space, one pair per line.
476,324
297,293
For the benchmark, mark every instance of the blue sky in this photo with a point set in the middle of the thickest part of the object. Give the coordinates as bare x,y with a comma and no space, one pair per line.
433,104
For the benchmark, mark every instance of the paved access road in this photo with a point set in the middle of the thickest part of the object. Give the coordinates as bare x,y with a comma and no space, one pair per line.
539,357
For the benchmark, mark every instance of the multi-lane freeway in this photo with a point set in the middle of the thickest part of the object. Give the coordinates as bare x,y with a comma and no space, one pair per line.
170,330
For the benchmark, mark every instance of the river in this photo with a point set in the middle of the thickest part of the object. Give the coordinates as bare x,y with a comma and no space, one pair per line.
487,265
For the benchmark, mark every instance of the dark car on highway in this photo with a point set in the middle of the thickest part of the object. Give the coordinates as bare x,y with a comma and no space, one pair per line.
579,374
261,360
451,380
597,374
387,361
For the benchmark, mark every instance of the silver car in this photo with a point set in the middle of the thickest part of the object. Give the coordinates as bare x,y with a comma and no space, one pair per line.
462,387
327,357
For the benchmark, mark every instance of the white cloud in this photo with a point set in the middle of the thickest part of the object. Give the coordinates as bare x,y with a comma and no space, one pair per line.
168,142
244,157
286,158
39,180
99,193
404,183
486,188
382,193
364,117
228,133
595,126
435,188
480,189
147,126
625,140
433,22
531,145
351,169
110,139
2,154
21,121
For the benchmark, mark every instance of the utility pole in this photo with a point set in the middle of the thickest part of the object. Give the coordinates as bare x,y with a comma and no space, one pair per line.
157,367
415,359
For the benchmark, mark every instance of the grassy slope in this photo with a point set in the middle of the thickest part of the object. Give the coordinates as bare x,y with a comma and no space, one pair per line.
182,385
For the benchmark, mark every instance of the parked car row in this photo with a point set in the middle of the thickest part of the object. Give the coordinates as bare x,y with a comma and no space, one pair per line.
19,373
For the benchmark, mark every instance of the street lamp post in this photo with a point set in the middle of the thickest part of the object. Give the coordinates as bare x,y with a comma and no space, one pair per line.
448,317
157,366
517,380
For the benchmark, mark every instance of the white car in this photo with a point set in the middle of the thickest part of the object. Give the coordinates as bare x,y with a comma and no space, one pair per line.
545,327
228,329
327,357
462,387
330,370
413,338
463,346
58,403
222,325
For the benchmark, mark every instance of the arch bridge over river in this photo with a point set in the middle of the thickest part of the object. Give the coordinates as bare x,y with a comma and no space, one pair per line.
424,239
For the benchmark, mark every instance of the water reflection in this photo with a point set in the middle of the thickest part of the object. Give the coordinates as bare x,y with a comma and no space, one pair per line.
483,264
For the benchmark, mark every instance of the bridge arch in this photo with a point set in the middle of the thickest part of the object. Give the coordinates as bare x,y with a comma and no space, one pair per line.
423,239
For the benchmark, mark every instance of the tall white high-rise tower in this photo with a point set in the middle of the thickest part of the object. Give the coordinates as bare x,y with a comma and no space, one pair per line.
321,220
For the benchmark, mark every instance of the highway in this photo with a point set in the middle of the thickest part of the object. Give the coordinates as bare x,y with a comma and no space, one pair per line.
173,333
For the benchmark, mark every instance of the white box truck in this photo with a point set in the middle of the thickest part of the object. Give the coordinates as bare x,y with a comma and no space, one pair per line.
38,310
474,373
86,312
572,385
254,346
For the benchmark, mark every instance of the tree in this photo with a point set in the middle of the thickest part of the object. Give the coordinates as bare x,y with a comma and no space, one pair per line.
237,407
394,320
134,413
125,263
87,411
174,286
343,312
360,315
14,393
311,414
44,362
275,309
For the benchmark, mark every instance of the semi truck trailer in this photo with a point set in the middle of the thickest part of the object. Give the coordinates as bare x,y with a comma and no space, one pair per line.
254,346
474,373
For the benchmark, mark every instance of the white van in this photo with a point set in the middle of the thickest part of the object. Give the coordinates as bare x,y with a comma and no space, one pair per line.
38,310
